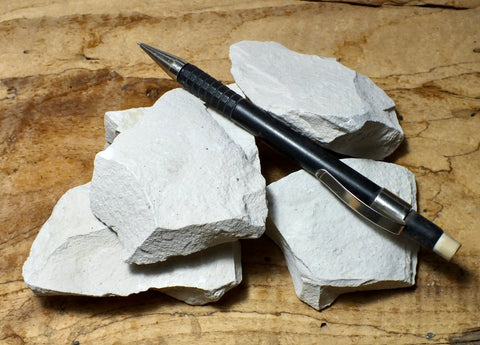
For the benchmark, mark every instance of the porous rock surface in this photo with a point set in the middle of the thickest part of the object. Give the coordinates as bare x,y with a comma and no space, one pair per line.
329,103
330,250
121,120
75,253
175,183
238,135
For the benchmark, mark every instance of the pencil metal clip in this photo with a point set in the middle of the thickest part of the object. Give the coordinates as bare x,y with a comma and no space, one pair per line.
382,212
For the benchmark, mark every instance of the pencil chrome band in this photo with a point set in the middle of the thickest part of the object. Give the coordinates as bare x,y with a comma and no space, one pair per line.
386,211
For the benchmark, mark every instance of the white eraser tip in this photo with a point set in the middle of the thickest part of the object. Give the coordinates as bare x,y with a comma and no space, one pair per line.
446,246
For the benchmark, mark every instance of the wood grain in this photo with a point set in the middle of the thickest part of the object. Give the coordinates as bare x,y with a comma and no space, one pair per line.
63,64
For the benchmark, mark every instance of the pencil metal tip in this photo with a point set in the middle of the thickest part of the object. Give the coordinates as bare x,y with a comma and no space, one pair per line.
171,64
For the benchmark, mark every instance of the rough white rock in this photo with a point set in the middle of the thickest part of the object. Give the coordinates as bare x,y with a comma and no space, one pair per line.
322,99
239,135
74,253
330,250
121,120
175,184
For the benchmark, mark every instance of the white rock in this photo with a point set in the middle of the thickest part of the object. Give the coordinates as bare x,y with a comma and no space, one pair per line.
74,253
330,250
239,135
175,184
119,121
322,99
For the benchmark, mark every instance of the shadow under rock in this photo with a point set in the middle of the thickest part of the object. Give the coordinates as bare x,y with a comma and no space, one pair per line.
401,151
357,300
260,258
254,252
450,270
137,303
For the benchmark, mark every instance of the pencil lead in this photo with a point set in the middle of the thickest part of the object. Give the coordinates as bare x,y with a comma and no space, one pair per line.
171,64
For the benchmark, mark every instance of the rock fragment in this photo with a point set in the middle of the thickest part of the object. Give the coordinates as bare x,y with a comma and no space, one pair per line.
238,135
75,253
330,250
175,184
322,99
121,120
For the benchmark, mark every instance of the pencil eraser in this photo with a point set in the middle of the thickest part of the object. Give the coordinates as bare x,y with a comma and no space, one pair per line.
446,246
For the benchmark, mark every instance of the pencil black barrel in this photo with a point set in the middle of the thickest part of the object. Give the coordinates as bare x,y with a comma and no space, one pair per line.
422,230
311,156
208,89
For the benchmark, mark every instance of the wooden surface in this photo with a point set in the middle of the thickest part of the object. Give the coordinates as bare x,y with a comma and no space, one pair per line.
64,63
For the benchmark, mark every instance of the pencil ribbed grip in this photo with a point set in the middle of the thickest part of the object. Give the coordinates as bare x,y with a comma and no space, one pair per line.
208,89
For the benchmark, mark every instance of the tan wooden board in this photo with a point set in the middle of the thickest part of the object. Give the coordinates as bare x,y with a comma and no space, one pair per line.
64,63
